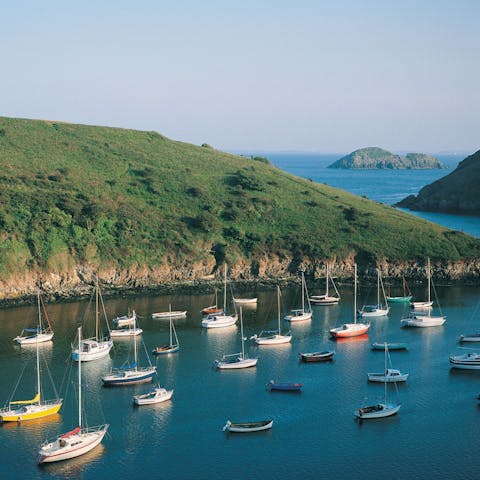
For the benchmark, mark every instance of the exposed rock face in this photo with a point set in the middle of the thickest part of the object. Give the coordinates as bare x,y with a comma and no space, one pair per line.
458,192
377,158
78,282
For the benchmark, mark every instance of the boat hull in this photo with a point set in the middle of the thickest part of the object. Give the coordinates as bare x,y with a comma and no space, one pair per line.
323,300
128,378
284,387
80,444
316,357
376,377
299,318
30,412
422,321
158,396
248,427
379,312
125,333
391,346
349,330
33,339
167,315
244,363
101,351
421,305
273,340
375,411
470,338
219,321
165,350
399,299
470,361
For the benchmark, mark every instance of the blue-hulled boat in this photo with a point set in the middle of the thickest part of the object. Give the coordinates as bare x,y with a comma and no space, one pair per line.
284,386
391,346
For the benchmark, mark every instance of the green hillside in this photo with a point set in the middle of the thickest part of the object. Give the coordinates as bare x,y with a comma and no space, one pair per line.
114,198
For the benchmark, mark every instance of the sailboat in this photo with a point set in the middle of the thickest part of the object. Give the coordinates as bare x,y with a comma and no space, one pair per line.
351,329
300,315
126,328
93,348
378,310
171,347
21,410
78,441
381,409
236,360
219,320
424,319
31,336
125,320
130,374
407,296
426,304
273,337
326,299
212,308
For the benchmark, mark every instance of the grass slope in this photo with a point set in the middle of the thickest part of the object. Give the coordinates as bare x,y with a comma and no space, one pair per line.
72,194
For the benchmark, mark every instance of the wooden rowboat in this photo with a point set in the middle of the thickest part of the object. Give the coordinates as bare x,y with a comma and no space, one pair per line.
317,356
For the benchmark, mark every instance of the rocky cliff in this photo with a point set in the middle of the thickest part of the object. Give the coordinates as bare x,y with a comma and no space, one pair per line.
458,192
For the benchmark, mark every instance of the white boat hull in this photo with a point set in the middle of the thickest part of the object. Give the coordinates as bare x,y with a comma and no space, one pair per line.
379,312
245,301
167,315
421,305
219,321
378,411
422,321
159,395
33,339
469,361
247,427
324,300
350,330
126,332
77,445
102,350
273,340
380,377
242,363
299,318
470,338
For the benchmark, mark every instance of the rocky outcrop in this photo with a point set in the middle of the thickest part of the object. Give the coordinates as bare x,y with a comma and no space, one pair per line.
78,282
377,158
457,192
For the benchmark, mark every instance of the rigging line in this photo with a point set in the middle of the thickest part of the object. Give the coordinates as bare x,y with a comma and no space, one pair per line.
18,382
50,376
436,297
104,313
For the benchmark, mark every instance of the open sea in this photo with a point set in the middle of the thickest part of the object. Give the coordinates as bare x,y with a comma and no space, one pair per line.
314,435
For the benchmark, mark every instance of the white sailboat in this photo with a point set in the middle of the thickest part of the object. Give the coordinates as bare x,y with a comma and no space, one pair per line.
220,320
425,305
127,327
301,315
96,347
131,373
40,333
351,329
380,309
273,337
21,410
239,360
173,346
78,441
125,320
326,299
380,409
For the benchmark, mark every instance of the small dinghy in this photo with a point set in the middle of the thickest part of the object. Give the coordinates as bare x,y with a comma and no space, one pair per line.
389,376
247,426
317,356
284,386
156,396
390,346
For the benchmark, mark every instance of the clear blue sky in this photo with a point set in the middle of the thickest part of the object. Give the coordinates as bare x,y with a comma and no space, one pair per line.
268,75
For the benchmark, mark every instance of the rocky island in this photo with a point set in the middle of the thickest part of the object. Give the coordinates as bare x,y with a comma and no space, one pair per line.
377,158
457,192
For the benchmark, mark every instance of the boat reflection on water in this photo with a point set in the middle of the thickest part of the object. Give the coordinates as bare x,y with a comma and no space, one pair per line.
35,426
359,339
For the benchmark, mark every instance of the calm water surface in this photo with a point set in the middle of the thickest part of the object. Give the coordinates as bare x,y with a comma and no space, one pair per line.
314,435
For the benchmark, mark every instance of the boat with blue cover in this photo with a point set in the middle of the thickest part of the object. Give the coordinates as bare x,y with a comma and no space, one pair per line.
284,386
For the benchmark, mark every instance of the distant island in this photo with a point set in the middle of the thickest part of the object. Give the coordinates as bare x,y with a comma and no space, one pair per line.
377,158
456,193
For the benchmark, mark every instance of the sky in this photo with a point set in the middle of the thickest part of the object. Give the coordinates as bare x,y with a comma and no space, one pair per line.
266,75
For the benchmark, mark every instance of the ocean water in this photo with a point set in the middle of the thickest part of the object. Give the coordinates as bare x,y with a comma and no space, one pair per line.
314,434
385,186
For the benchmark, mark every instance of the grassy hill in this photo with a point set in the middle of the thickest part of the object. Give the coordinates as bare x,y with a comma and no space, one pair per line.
73,195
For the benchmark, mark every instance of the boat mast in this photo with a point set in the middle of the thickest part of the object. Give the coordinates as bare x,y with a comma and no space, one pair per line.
79,378
303,292
378,287
170,311
428,277
241,331
355,296
135,341
38,360
96,309
386,352
326,289
225,290
278,308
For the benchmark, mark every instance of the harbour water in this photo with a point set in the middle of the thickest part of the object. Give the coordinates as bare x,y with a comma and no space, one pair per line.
314,434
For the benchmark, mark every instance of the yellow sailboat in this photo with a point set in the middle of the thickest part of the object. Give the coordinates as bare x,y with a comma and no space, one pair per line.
20,410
